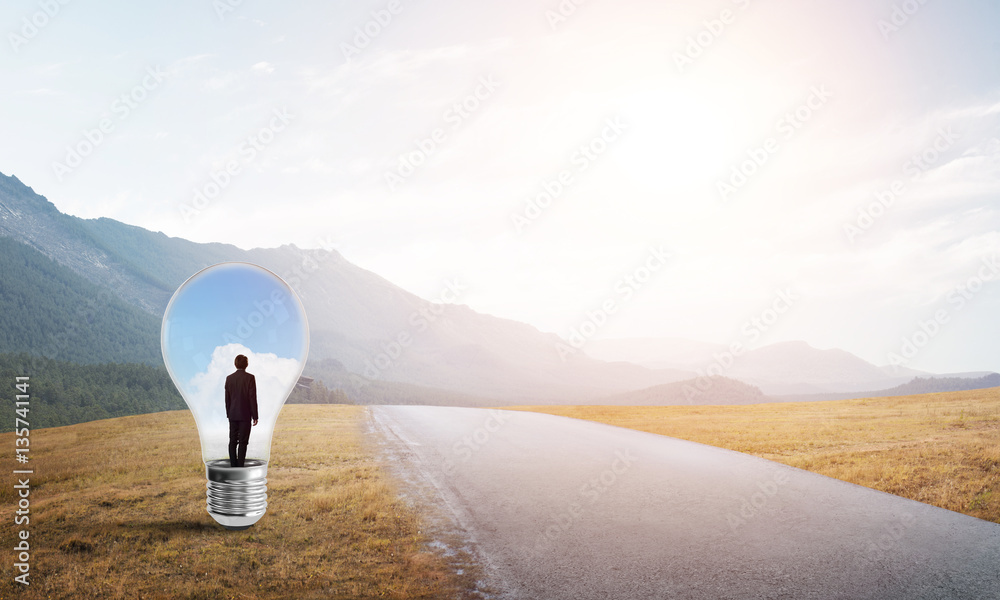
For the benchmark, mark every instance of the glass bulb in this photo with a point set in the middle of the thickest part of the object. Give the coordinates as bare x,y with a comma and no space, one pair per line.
222,311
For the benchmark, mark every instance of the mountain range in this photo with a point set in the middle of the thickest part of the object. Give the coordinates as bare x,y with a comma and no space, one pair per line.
355,316
108,283
783,368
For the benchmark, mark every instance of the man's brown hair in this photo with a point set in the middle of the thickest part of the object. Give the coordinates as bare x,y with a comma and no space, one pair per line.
241,361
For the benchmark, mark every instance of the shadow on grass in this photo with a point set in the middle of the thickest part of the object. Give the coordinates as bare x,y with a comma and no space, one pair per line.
144,532
171,528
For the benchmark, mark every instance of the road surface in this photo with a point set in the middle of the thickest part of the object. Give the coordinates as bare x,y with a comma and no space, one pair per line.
553,508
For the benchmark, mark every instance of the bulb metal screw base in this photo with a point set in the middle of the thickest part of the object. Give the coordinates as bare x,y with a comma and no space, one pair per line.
237,496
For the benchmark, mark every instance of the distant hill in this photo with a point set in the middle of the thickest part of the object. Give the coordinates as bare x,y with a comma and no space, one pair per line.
781,368
702,391
790,367
918,385
928,385
361,390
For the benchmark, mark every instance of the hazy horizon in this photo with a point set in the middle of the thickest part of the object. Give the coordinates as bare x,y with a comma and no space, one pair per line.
691,166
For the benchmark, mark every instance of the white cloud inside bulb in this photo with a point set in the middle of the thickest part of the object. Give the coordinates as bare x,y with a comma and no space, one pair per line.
206,395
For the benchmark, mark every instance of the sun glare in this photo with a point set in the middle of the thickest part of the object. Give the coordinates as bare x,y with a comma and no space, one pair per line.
675,140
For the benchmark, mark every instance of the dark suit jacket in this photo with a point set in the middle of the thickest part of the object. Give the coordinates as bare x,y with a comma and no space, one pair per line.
241,396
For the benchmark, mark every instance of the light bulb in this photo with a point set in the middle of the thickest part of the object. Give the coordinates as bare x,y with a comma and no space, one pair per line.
220,312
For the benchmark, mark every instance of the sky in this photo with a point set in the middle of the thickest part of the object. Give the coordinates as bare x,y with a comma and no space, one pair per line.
231,305
826,171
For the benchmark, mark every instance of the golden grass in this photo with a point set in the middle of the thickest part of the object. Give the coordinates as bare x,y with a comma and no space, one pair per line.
941,449
118,511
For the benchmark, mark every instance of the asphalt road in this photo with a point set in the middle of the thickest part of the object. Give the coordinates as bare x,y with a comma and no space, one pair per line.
555,508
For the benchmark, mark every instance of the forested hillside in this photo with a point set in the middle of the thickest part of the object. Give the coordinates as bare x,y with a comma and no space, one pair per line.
64,393
49,310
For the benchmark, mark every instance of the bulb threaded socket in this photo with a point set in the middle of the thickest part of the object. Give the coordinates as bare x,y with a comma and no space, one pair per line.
237,496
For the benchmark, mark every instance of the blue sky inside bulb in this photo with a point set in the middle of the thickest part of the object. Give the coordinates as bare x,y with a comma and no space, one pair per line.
220,312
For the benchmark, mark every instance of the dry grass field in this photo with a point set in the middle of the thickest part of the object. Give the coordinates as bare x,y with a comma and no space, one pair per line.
118,511
941,449
118,506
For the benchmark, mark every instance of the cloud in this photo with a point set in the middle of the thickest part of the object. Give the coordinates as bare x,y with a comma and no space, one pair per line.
263,67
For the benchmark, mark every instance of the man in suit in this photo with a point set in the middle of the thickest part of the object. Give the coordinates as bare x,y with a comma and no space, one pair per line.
241,409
